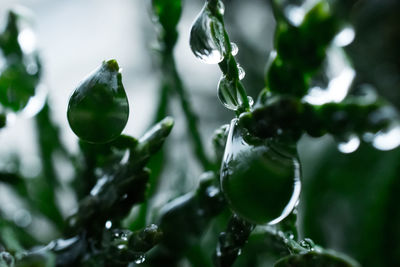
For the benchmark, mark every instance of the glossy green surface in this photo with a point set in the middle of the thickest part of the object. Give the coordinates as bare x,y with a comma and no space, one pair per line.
261,183
98,109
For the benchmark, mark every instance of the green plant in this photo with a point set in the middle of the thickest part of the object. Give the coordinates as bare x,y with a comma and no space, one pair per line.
247,195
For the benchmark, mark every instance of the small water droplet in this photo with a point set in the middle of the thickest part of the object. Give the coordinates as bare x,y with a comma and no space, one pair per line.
98,108
345,37
108,224
27,41
228,93
221,7
387,139
207,39
242,73
140,259
350,145
295,14
261,182
212,192
235,49
251,100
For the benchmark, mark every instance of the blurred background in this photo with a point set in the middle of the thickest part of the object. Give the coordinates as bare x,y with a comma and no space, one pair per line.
349,201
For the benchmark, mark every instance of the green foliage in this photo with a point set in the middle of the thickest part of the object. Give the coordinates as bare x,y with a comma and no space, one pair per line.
246,204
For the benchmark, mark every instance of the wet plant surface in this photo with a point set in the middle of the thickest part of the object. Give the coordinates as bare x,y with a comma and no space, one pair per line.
244,211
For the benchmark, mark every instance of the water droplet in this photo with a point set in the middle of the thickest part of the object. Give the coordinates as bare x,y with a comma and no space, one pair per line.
350,145
333,83
207,39
221,7
234,49
228,93
241,71
140,258
251,100
98,108
295,14
35,103
261,181
27,41
108,224
345,37
387,139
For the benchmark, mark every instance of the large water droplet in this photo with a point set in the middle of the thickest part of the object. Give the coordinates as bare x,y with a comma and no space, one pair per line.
387,139
261,181
333,83
207,39
350,145
234,49
98,109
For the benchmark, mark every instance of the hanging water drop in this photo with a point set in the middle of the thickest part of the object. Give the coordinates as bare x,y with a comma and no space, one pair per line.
227,93
241,71
387,140
207,39
350,145
234,49
98,108
221,7
261,181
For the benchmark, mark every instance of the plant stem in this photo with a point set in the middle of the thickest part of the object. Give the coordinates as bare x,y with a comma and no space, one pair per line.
191,117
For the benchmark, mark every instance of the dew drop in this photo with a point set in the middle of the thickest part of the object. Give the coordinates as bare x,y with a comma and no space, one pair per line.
344,37
350,145
261,181
207,39
27,41
387,140
234,49
140,258
251,100
241,71
108,224
221,7
295,14
228,93
98,108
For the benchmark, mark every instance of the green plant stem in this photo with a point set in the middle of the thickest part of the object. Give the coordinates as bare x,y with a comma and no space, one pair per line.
229,65
191,117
